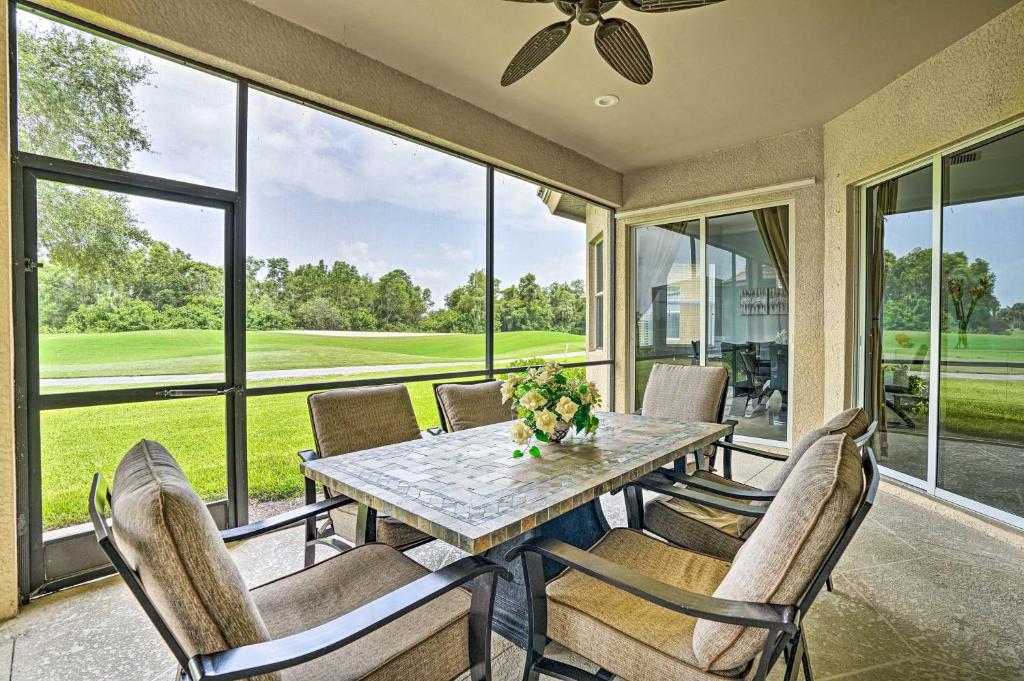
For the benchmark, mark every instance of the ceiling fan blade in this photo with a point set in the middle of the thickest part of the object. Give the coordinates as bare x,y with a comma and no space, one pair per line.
537,49
622,47
654,6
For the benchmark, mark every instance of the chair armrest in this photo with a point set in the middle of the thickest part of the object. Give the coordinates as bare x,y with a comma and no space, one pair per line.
702,498
308,455
759,615
289,651
717,487
730,446
435,430
638,412
282,519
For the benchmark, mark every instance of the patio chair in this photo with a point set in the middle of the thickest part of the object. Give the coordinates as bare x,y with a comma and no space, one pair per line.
643,609
368,613
716,515
461,406
687,393
351,420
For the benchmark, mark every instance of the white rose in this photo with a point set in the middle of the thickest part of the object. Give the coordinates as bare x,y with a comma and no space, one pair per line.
542,377
566,408
520,432
552,367
533,400
546,421
508,391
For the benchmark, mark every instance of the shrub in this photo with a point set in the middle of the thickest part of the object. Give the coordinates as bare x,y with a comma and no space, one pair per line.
110,314
319,314
904,340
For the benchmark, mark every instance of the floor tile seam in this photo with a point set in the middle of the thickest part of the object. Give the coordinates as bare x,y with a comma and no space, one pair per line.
885,618
871,667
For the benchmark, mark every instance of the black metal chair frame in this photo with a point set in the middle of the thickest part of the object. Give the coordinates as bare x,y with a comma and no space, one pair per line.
291,651
784,623
445,425
714,494
319,527
634,495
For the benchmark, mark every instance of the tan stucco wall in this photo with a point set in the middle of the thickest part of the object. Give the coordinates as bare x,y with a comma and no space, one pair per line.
974,84
777,160
8,531
247,41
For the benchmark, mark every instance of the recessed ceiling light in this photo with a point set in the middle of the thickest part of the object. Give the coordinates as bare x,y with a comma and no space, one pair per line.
605,101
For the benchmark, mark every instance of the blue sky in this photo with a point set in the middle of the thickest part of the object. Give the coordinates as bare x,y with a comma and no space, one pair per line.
322,187
990,230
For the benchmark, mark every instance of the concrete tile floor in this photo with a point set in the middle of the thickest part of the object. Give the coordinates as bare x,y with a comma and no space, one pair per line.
918,596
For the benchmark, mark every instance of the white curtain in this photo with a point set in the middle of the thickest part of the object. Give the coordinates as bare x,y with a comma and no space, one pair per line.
656,249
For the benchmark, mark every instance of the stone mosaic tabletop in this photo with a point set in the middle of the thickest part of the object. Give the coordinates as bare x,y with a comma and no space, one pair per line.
466,489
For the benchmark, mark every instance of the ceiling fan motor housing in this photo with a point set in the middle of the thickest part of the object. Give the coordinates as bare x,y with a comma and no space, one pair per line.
587,11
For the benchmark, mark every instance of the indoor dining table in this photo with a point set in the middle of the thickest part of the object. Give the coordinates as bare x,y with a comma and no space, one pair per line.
466,489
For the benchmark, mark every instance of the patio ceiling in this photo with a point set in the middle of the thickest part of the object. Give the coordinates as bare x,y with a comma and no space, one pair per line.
724,75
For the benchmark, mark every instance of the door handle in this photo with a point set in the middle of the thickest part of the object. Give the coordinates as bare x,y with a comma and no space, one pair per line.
201,392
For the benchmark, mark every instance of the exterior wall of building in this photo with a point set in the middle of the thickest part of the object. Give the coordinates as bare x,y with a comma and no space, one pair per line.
974,84
598,223
779,160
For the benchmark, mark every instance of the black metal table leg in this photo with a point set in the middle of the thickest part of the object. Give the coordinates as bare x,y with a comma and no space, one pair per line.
581,527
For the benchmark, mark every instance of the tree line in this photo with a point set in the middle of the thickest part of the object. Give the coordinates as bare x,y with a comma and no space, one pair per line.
154,286
907,296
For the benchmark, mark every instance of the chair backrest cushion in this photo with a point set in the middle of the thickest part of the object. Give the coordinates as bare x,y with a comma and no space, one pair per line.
471,405
789,547
853,422
353,419
686,392
166,534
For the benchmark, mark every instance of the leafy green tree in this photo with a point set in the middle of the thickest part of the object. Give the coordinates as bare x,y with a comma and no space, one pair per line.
399,304
568,307
524,307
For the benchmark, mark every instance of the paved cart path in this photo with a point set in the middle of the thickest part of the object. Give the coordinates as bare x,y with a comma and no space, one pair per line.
312,372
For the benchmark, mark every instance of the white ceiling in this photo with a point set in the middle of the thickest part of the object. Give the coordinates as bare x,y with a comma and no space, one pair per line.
723,75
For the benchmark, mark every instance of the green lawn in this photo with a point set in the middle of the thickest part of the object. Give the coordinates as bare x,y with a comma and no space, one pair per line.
78,442
980,346
140,353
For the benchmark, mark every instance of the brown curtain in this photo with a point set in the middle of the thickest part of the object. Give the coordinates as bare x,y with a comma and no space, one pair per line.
884,204
773,224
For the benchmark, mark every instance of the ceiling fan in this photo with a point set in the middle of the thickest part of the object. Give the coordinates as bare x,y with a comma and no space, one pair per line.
617,40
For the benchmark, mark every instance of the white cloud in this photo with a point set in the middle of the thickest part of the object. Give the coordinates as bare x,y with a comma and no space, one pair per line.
357,253
455,253
296,148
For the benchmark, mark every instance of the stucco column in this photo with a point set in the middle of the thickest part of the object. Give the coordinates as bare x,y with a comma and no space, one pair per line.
8,505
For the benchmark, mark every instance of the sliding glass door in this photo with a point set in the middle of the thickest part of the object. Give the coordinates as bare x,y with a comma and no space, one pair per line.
944,324
714,290
981,380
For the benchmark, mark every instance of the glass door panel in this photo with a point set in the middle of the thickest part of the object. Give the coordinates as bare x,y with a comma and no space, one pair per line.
131,306
130,291
748,317
899,285
981,431
668,266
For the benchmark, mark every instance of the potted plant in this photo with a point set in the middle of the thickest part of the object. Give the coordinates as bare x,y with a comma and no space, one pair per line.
548,405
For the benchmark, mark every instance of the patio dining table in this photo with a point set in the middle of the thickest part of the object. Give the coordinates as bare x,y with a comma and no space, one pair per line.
466,489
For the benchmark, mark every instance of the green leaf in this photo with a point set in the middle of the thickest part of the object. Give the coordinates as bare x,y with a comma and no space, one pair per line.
535,451
583,389
560,379
517,454
542,436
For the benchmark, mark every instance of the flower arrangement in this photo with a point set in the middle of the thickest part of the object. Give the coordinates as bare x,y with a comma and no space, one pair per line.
548,404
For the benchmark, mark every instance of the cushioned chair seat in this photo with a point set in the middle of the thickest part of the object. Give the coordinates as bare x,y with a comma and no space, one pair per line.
700,528
389,530
429,643
624,633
